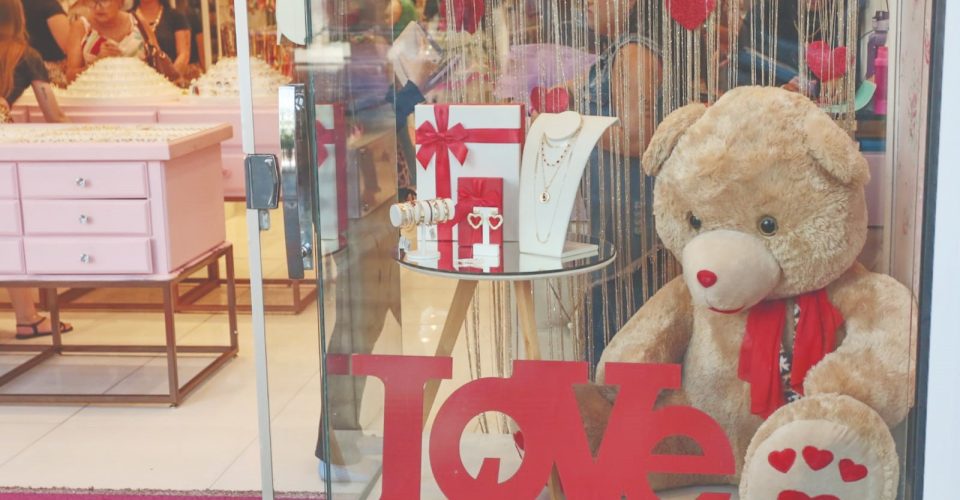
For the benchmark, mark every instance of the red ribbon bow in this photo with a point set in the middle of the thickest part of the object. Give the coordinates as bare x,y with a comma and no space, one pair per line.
440,140
760,351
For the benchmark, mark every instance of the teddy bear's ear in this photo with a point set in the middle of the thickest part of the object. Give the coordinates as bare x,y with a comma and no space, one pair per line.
834,150
667,135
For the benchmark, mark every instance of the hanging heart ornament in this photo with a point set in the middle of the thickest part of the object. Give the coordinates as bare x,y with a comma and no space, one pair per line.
691,14
496,221
555,100
475,220
825,62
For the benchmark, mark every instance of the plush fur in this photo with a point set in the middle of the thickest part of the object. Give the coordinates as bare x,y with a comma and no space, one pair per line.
767,153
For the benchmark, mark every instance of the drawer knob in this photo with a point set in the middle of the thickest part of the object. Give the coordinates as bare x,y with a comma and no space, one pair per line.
83,219
81,182
84,258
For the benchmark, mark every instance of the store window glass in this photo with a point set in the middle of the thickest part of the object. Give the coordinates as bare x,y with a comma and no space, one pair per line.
617,247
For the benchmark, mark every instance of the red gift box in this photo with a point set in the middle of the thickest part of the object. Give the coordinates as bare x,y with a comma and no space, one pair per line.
475,192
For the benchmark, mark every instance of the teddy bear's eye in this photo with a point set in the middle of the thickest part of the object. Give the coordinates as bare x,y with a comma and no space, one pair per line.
768,225
695,222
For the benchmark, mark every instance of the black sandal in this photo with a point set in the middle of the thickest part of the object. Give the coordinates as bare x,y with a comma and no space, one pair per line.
64,328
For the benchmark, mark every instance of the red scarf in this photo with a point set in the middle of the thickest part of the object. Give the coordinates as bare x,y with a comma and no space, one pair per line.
815,337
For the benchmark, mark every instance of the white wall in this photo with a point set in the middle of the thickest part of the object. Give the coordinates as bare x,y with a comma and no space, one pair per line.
942,461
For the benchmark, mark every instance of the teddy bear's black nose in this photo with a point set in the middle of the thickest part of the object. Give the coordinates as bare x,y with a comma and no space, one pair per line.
707,278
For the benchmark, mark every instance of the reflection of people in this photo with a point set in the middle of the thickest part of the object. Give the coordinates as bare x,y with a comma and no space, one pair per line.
169,26
49,32
108,32
366,290
620,201
21,66
613,90
401,13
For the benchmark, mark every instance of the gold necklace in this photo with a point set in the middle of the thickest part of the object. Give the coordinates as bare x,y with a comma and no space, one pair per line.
543,162
545,197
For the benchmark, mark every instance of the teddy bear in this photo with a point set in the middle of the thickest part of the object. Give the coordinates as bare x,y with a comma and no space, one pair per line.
802,355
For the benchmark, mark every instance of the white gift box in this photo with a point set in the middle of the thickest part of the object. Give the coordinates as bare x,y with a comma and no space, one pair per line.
489,141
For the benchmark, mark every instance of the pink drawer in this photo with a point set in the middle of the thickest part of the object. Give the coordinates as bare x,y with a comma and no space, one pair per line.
11,256
83,180
9,217
79,217
88,255
8,181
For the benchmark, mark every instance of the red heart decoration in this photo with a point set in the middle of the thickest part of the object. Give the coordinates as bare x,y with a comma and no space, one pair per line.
816,458
782,460
825,62
518,439
691,14
555,100
851,471
799,495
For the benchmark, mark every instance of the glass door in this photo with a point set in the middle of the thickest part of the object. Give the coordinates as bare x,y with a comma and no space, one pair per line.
317,213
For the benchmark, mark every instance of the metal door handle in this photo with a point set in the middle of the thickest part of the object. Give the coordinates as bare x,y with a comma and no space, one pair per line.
296,179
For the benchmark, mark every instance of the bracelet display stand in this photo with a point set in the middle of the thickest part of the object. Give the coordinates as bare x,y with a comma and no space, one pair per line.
547,193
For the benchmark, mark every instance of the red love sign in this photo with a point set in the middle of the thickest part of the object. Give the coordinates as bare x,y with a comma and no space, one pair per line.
825,62
555,100
691,14
539,398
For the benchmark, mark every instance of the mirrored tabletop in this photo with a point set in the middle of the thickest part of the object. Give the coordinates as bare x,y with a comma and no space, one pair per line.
452,260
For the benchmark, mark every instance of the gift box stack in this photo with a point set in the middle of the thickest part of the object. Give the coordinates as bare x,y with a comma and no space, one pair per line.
470,153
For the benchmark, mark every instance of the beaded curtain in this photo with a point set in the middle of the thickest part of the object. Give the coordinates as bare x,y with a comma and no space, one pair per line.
705,48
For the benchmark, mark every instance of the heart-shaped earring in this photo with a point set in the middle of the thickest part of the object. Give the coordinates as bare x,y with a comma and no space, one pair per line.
475,220
496,221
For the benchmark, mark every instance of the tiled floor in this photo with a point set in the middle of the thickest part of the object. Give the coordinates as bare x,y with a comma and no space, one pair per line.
210,442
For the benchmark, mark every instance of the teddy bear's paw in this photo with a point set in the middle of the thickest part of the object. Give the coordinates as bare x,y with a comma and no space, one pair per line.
820,459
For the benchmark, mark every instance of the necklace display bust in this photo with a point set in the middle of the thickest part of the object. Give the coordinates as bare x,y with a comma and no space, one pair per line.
556,152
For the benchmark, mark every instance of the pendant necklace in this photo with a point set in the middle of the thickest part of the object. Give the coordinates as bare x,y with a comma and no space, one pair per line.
560,163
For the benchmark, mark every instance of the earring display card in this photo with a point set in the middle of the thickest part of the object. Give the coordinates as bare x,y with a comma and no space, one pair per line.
474,195
463,140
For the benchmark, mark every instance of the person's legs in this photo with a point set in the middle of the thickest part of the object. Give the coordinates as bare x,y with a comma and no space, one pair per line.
29,321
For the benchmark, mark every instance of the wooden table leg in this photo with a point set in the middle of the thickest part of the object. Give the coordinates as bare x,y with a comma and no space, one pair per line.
527,318
171,338
54,304
527,313
456,317
231,297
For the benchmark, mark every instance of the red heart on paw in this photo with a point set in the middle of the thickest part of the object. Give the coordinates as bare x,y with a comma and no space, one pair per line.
825,62
851,471
782,460
816,458
691,14
555,100
799,495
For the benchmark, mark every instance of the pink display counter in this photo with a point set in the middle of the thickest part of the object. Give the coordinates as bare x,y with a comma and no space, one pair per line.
119,206
69,205
187,110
